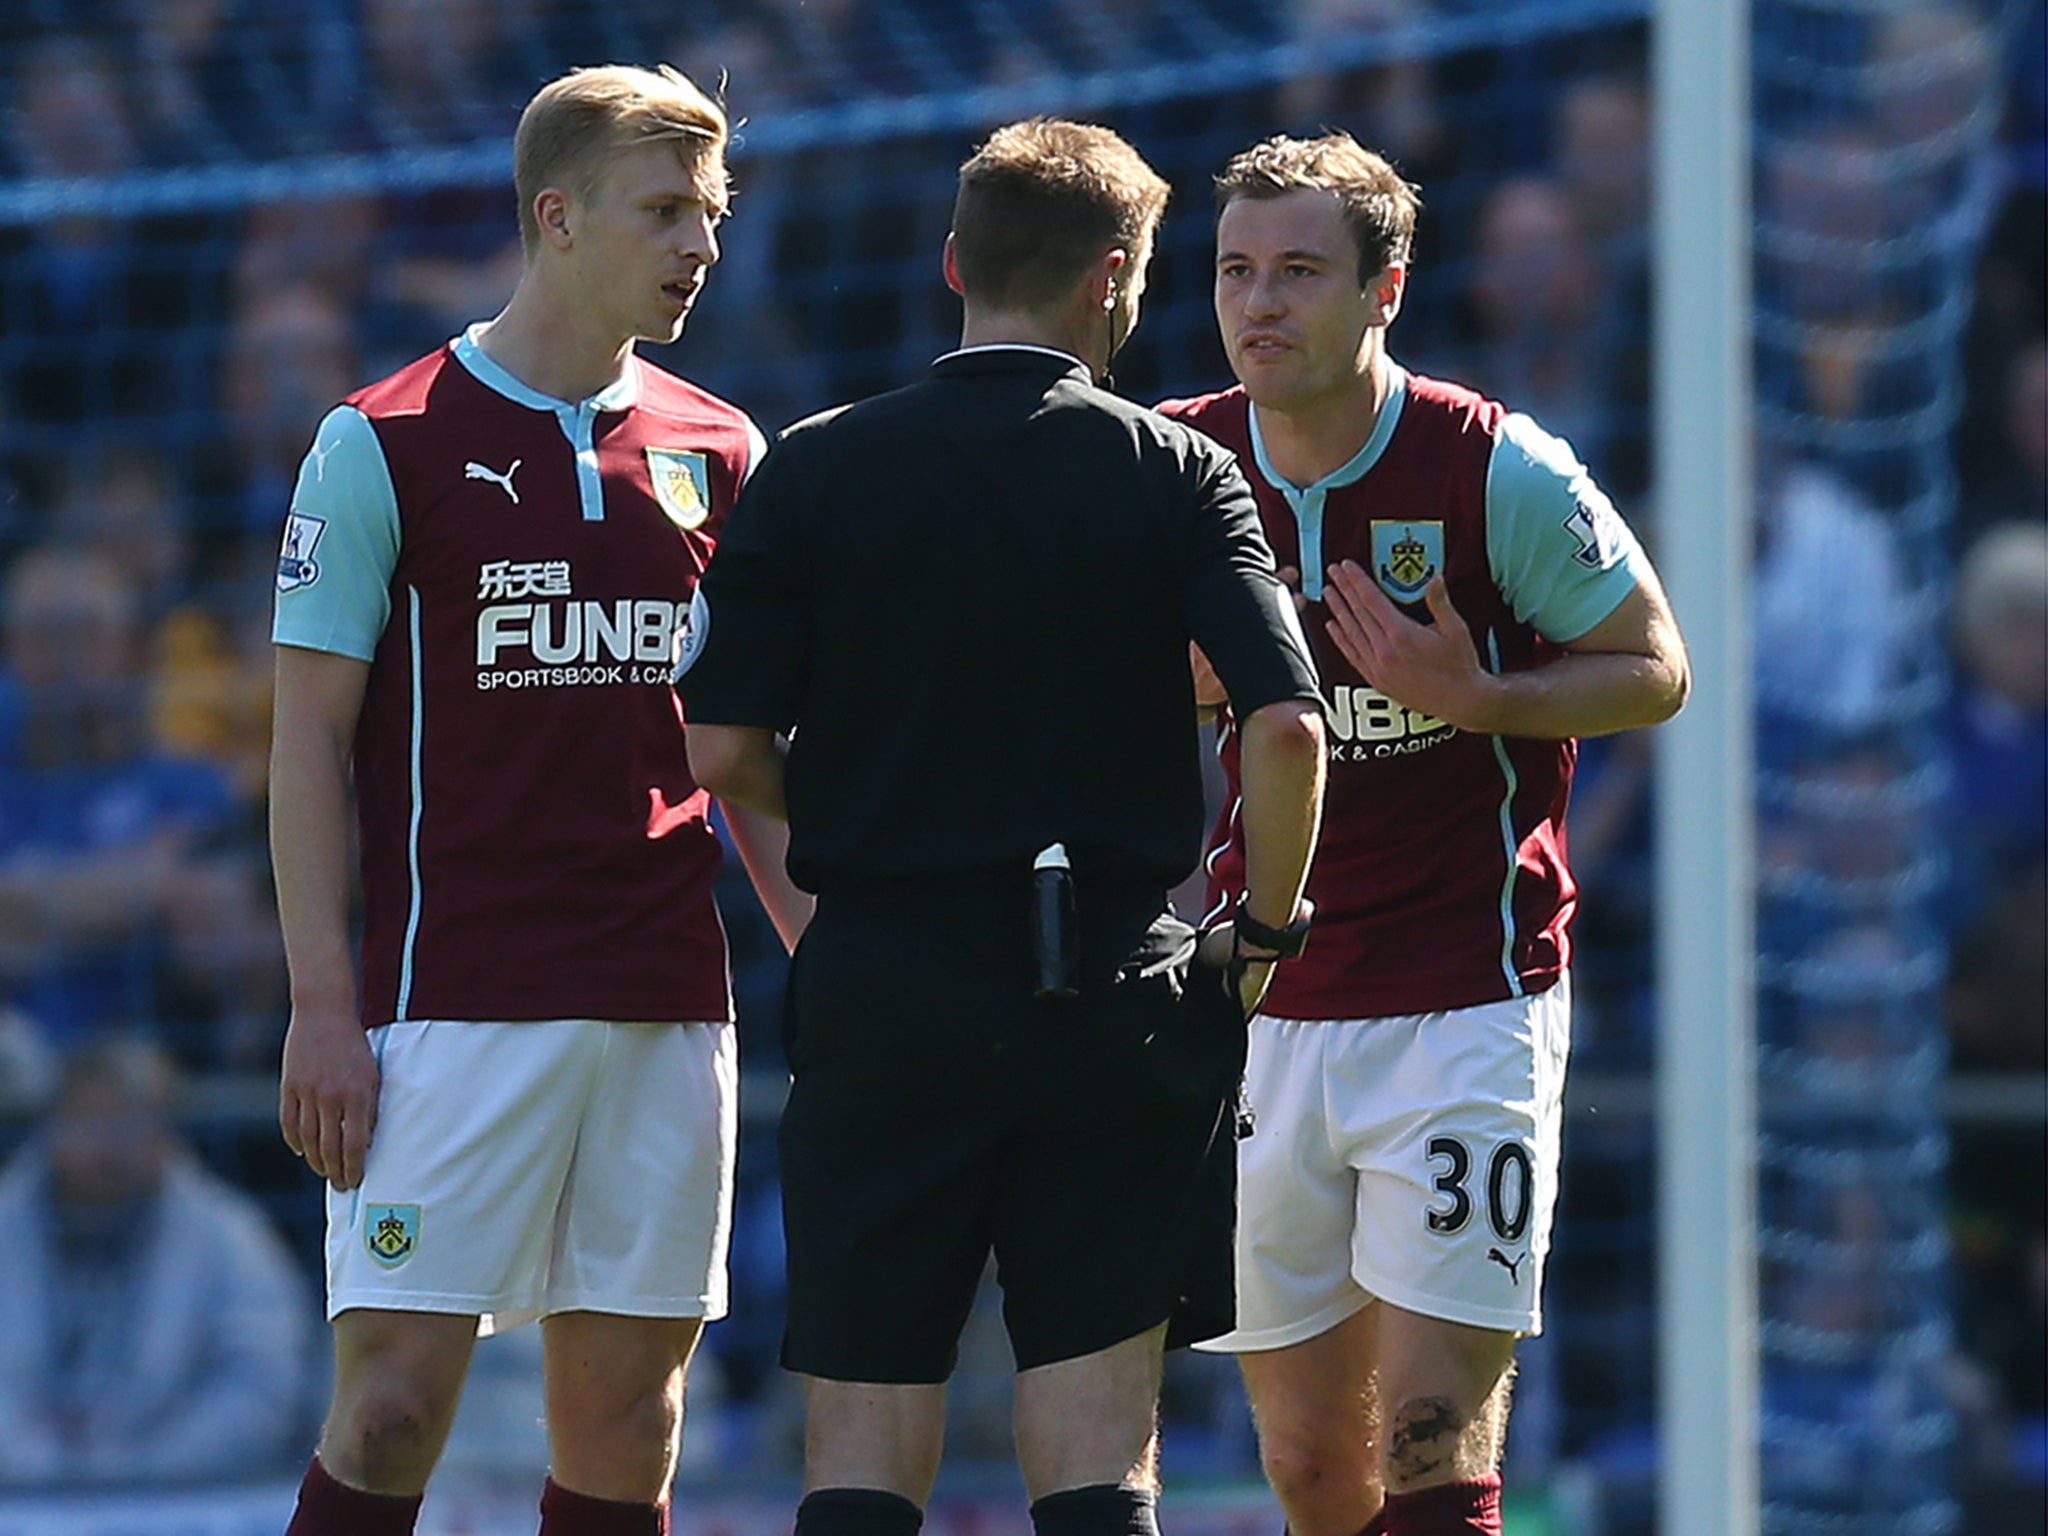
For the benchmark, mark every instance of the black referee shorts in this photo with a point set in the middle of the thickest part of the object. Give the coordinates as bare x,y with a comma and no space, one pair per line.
939,1113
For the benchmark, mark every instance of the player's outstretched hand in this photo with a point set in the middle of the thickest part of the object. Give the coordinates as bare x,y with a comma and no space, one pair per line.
327,1098
1428,667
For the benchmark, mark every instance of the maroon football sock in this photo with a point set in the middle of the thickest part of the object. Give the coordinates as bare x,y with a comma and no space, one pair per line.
329,1508
564,1512
1451,1509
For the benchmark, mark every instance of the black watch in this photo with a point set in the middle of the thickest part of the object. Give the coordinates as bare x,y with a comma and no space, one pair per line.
1286,943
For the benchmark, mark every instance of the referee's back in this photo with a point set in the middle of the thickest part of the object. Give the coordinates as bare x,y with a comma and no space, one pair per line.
972,599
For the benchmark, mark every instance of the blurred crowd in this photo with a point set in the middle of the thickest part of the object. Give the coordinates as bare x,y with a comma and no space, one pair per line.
166,347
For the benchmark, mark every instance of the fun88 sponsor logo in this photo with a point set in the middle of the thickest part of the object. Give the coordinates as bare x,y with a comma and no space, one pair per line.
1365,724
576,643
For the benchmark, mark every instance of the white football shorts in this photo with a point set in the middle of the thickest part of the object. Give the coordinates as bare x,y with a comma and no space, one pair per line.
527,1168
1411,1158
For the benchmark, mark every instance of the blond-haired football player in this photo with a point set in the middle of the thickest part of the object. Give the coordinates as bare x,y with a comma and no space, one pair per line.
523,1100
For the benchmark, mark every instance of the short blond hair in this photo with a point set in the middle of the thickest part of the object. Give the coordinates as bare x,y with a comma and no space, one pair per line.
1040,201
577,123
1380,208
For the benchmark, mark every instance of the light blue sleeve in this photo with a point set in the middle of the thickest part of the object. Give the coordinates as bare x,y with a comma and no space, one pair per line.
1561,555
340,543
757,450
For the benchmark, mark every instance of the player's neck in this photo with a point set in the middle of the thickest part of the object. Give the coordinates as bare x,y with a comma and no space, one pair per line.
551,348
1309,437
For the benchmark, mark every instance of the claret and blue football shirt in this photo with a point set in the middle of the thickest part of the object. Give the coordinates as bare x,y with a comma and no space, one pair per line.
514,569
1440,879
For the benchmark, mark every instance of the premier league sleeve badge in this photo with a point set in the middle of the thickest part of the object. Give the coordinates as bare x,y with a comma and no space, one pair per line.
295,565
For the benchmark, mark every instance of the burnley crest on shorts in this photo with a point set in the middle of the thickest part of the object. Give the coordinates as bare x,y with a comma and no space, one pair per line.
1406,556
681,484
391,1233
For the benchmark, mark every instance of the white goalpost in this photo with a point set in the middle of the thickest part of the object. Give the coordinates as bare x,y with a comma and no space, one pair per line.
1708,1366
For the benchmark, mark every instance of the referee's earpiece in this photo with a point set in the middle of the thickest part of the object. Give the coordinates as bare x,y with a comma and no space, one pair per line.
1112,305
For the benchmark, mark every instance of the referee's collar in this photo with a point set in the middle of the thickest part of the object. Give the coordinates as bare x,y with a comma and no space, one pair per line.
1012,357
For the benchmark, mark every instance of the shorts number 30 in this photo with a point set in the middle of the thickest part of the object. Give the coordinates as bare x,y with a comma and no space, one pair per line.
1509,1181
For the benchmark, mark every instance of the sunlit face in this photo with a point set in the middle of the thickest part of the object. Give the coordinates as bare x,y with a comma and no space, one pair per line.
1293,316
647,236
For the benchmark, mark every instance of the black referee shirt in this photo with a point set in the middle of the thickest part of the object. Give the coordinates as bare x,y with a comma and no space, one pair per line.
968,604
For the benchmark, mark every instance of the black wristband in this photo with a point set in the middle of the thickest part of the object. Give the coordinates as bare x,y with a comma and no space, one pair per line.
1284,943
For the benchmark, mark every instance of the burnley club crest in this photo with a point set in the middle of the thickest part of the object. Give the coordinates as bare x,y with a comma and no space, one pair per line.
391,1233
1406,557
682,485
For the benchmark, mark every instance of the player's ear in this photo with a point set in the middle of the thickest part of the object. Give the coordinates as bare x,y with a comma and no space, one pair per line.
949,263
551,209
1388,288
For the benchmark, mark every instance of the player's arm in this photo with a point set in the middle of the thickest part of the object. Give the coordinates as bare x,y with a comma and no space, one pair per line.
327,1098
1568,566
1627,671
334,598
763,844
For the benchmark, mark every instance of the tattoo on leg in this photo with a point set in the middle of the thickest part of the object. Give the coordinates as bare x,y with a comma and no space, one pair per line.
1425,1439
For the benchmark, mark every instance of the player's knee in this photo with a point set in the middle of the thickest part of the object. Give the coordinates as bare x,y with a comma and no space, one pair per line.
1299,1466
629,1423
387,1437
652,1419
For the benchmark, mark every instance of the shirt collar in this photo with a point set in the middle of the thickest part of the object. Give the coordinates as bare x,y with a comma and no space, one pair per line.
619,395
1013,346
1353,468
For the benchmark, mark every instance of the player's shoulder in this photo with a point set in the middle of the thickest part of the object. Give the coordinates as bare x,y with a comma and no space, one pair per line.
665,394
409,390
1218,408
1447,406
1221,419
1521,456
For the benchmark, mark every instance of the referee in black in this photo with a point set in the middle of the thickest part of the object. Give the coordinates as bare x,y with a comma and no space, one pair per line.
946,634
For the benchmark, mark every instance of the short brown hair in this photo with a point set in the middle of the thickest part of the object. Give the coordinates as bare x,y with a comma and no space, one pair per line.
1379,206
576,123
1040,201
